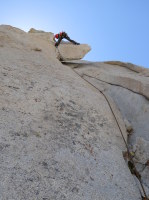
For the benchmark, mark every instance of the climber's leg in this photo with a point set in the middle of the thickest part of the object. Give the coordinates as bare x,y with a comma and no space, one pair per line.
58,42
68,38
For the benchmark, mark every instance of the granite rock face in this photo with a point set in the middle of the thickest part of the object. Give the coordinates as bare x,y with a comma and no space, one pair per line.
60,135
68,51
128,86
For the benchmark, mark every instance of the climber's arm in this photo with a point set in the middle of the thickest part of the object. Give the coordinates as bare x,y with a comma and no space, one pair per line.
58,42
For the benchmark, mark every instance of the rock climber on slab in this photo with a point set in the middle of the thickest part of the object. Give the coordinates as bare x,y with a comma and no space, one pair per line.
61,36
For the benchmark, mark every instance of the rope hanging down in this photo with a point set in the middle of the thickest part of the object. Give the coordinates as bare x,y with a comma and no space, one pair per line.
131,163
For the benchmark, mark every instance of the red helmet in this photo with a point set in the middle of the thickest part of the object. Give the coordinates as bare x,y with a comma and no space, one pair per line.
56,36
61,33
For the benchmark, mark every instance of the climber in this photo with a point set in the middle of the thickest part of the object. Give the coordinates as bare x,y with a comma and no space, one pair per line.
62,35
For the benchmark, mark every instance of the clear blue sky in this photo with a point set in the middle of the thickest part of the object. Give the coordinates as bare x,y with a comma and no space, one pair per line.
115,29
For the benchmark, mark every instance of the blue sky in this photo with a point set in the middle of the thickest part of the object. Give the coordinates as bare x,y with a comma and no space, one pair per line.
115,29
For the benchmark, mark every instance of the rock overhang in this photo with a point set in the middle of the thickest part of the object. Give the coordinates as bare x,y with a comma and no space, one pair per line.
67,51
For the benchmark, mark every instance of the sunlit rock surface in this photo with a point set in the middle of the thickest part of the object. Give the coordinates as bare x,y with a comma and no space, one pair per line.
59,138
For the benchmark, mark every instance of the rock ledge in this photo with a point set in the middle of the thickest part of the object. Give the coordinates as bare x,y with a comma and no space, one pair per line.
68,51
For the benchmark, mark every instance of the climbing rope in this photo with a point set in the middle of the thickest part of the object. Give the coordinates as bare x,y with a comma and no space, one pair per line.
131,163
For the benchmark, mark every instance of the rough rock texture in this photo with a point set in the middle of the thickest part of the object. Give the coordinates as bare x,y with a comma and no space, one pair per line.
48,36
141,70
68,51
59,137
129,89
